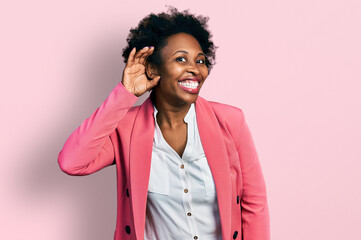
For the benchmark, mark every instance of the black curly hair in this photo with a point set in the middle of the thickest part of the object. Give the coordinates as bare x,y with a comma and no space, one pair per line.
154,29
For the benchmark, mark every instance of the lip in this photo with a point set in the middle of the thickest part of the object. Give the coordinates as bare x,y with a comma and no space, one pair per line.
191,79
190,89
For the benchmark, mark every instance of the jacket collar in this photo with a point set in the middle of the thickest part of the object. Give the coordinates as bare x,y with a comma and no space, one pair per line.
141,144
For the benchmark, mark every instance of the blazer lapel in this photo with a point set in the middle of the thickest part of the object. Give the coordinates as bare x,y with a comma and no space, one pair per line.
216,153
141,144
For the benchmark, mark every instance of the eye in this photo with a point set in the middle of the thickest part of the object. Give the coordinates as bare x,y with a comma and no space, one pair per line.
180,59
201,61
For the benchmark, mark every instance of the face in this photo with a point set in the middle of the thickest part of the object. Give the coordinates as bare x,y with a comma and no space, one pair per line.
183,70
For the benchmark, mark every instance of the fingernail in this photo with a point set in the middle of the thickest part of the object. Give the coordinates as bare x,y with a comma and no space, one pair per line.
151,46
145,47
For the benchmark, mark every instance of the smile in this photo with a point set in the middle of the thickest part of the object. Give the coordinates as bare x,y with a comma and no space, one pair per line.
190,86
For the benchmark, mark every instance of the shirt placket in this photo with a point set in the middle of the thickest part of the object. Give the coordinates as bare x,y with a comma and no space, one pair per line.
183,174
186,179
187,199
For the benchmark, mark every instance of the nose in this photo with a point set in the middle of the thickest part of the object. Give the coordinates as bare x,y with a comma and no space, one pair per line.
193,68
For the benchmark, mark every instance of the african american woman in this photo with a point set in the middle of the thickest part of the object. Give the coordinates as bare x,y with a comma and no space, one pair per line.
186,168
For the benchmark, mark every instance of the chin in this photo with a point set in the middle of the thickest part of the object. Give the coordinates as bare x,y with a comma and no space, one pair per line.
191,99
188,97
178,98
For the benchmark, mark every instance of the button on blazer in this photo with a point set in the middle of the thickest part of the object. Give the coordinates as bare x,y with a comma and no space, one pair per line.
122,134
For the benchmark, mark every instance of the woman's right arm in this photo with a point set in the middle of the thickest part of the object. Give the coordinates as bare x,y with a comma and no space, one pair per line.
89,147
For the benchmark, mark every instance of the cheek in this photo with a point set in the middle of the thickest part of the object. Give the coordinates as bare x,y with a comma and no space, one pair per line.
173,72
204,72
177,70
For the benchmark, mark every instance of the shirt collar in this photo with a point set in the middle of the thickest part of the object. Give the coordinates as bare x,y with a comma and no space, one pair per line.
188,117
194,150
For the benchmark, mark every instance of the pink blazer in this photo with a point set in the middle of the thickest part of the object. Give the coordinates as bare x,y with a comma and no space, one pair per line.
122,134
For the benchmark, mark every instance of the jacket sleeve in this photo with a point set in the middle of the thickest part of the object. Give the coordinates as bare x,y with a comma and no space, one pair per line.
89,148
255,214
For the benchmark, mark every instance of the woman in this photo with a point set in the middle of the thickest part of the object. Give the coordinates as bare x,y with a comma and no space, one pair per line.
186,168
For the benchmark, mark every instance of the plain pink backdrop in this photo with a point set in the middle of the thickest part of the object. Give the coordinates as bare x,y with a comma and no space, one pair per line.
294,67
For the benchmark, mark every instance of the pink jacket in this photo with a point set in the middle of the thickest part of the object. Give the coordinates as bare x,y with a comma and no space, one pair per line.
122,134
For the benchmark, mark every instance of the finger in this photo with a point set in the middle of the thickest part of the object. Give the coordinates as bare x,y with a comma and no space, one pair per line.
144,56
139,54
130,61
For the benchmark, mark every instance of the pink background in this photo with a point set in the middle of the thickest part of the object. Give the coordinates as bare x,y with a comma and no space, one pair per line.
294,67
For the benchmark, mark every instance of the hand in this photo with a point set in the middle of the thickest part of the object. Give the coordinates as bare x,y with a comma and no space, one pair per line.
134,77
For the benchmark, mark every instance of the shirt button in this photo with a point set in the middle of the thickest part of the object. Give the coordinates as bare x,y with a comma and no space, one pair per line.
185,190
189,214
182,166
195,237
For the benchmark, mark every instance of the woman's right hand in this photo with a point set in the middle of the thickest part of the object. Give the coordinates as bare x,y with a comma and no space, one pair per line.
134,76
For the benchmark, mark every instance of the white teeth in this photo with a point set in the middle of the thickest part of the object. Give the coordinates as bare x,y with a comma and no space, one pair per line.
189,84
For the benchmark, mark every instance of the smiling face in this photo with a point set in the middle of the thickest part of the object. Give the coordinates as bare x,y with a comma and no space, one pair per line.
183,70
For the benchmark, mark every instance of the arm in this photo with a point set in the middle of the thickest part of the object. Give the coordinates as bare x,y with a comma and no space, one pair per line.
255,215
89,148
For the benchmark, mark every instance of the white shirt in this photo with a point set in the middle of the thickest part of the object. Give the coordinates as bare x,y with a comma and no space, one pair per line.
182,199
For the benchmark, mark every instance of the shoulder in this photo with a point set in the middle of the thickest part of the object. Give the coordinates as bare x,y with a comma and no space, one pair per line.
226,109
225,113
231,119
134,110
145,109
127,121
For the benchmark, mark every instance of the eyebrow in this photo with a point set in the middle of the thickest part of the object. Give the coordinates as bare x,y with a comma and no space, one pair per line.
182,51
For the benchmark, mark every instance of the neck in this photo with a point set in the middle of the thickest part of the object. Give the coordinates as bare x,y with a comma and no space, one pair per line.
171,116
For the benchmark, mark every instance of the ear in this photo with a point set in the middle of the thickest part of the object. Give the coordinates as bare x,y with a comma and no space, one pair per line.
151,71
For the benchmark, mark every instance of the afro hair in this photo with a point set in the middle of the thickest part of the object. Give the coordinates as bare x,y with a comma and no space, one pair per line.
154,29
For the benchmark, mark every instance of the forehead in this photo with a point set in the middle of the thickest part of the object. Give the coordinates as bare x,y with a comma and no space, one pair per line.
181,42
